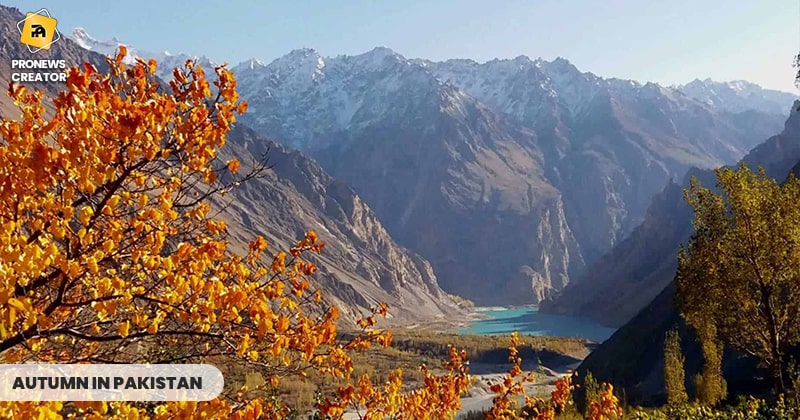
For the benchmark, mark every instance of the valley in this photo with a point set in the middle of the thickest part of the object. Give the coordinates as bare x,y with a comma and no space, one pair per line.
417,236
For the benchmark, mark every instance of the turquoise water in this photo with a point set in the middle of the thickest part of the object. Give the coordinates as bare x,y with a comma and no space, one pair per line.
528,320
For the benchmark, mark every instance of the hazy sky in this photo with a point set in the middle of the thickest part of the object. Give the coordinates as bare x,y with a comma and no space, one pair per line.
647,40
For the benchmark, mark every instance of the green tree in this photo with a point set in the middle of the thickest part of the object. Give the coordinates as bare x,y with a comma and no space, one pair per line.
739,277
674,375
592,391
709,385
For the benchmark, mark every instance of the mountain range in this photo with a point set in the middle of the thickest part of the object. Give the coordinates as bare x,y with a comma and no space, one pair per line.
512,177
513,181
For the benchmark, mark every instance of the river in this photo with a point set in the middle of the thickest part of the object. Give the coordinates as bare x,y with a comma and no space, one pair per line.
528,320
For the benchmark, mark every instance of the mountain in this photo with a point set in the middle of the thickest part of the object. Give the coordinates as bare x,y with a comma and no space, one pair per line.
738,96
631,275
633,357
110,47
510,175
451,179
609,144
361,264
166,60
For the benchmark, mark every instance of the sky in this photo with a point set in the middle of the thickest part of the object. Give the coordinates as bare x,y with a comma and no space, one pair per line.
668,42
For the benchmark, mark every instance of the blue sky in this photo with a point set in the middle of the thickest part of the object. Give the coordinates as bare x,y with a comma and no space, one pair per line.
662,41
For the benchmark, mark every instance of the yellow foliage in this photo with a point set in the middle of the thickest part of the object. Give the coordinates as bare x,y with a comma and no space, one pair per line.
108,255
109,250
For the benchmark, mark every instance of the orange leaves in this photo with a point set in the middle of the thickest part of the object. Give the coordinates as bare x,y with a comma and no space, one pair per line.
385,339
383,308
282,325
110,231
310,243
438,398
561,396
233,165
279,263
85,215
121,53
215,227
152,66
607,407
124,329
258,245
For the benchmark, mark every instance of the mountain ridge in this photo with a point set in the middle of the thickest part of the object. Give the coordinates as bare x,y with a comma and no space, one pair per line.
473,154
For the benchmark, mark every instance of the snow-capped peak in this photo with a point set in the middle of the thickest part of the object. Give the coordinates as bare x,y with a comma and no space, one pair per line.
82,37
166,60
738,95
86,41
381,52
251,64
306,63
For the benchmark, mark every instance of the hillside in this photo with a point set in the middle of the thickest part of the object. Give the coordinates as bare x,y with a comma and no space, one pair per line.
361,265
638,269
633,357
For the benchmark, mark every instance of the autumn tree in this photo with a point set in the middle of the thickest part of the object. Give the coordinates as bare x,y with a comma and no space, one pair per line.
738,279
710,386
112,251
674,375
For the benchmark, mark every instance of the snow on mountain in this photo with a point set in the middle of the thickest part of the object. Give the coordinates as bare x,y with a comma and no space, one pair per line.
166,60
301,95
521,87
427,143
110,47
738,96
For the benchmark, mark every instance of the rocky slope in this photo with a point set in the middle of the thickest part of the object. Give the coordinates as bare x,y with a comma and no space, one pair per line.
638,269
361,264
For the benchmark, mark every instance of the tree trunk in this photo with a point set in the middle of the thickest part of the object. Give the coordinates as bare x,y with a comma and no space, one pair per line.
777,376
776,366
